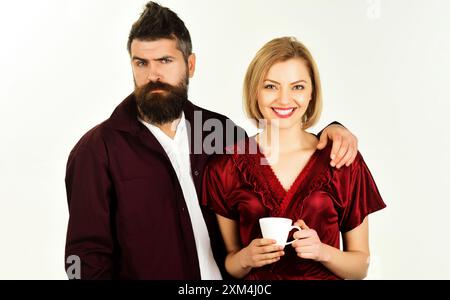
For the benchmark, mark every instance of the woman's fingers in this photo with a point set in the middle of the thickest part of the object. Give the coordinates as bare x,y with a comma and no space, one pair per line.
265,242
269,249
303,234
269,258
267,262
306,249
301,224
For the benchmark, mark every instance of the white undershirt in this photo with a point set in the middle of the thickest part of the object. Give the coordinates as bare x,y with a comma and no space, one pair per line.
179,154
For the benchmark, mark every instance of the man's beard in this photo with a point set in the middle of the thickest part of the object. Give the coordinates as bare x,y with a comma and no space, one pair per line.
161,107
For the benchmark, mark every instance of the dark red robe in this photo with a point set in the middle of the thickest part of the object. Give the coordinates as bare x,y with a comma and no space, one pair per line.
242,186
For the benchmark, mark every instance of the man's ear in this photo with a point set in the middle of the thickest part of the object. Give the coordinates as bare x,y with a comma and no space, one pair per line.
191,65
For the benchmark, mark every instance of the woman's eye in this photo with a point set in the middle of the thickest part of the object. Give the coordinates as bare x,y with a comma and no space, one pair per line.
270,87
299,87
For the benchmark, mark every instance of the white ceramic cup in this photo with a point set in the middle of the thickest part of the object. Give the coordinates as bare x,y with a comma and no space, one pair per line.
277,229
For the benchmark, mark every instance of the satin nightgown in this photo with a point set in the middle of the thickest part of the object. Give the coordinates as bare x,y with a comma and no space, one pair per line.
242,186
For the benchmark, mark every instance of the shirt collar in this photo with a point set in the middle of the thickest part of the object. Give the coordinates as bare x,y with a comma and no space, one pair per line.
165,140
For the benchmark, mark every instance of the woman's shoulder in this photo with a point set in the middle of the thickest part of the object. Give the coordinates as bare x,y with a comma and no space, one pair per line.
219,161
349,174
325,155
235,157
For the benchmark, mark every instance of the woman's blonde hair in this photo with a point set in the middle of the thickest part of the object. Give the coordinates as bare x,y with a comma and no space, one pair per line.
281,50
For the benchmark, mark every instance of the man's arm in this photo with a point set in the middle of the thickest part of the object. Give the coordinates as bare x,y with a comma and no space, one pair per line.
89,238
345,144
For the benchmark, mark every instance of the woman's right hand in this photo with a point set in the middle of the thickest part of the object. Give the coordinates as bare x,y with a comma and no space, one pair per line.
259,253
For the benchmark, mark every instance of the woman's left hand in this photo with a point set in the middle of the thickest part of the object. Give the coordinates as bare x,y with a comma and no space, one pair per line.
308,244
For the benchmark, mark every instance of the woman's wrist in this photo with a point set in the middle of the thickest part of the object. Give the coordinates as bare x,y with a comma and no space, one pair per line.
325,253
242,261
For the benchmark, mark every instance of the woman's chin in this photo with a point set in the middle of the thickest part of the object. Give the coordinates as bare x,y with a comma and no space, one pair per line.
281,124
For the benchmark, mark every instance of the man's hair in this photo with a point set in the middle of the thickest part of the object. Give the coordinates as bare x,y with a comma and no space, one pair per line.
158,22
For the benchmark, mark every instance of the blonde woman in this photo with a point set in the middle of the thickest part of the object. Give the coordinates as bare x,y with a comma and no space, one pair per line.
288,177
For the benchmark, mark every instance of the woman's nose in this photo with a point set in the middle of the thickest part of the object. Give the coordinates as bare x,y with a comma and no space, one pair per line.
285,96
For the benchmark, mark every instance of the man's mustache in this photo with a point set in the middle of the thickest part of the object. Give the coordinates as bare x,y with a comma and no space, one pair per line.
157,86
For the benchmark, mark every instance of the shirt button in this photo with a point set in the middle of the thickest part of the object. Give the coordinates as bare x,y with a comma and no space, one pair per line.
196,173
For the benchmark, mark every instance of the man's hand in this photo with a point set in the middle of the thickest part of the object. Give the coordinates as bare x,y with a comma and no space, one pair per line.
345,145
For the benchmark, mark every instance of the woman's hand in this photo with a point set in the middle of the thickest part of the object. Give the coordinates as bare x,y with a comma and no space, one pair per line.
259,253
308,244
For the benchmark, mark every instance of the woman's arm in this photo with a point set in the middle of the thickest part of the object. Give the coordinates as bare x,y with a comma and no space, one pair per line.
352,263
240,261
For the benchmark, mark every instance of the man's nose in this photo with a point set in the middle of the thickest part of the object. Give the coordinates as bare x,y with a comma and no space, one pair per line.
153,74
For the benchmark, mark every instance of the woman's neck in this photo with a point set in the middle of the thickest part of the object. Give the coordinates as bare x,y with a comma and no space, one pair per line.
286,140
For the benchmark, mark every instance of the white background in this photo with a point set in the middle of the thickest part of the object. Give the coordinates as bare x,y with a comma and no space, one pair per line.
385,70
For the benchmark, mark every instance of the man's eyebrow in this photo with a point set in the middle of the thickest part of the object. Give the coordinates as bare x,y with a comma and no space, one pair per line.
141,59
156,59
165,57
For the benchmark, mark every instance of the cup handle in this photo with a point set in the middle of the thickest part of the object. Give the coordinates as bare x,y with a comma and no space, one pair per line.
293,227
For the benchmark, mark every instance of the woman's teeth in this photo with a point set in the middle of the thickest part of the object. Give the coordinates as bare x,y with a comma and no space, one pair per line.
284,111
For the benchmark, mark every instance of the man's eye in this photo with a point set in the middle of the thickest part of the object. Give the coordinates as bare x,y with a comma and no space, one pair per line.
166,60
270,87
299,87
140,64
